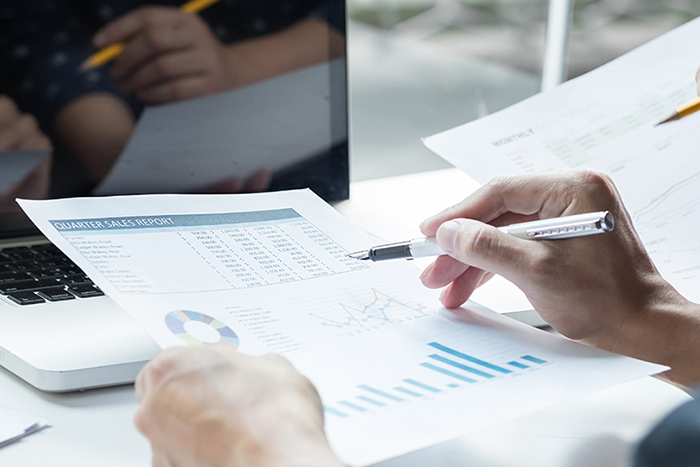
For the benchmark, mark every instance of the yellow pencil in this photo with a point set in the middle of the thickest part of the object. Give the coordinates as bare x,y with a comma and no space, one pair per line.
682,111
110,53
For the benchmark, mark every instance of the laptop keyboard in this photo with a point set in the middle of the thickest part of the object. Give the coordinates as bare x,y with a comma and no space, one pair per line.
41,273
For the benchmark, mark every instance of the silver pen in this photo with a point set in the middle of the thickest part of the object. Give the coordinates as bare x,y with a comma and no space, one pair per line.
579,225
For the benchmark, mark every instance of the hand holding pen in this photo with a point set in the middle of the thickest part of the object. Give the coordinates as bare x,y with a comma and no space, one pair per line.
163,54
580,225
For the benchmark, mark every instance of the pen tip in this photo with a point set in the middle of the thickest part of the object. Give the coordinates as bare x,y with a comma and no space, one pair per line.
361,255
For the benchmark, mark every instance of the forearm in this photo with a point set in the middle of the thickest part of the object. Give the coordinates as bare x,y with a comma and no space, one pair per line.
95,127
667,332
306,43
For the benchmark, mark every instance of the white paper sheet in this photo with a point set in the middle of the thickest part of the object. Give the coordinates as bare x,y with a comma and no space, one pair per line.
270,272
15,165
15,425
604,120
191,145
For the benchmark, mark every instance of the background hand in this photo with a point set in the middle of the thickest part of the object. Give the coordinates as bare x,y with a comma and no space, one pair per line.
170,55
211,406
19,131
256,183
602,289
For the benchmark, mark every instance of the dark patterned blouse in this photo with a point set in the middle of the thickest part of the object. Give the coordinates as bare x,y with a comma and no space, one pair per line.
43,42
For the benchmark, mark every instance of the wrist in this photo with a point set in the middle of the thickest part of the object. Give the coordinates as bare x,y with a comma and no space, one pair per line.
666,332
294,439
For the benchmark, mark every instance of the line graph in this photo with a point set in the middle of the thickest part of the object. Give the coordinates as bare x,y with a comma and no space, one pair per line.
375,309
654,204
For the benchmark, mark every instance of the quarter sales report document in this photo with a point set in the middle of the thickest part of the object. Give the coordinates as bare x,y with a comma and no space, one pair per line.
605,120
270,273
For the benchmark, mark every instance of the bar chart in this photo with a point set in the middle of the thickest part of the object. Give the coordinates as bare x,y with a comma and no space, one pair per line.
443,370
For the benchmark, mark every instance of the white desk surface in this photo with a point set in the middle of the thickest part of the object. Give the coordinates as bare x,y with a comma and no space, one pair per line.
95,428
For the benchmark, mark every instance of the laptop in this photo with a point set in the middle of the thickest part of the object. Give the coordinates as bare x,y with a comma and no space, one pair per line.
60,333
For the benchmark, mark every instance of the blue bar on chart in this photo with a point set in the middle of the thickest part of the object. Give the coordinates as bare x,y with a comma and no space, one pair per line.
371,401
533,359
380,393
453,385
442,359
353,406
421,385
337,413
408,391
447,372
518,365
469,358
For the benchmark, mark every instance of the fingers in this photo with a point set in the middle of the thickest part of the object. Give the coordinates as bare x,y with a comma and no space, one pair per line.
212,406
459,291
530,196
19,131
9,114
474,248
127,26
160,69
150,43
485,247
168,55
8,111
259,181
153,373
181,89
444,270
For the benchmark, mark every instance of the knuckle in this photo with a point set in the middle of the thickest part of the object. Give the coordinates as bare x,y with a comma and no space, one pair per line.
595,184
147,16
161,365
175,392
497,182
593,177
476,242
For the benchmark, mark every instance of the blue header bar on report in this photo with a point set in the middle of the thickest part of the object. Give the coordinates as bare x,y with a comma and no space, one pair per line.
170,221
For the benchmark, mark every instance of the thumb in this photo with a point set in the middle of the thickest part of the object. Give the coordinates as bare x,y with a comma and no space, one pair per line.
485,247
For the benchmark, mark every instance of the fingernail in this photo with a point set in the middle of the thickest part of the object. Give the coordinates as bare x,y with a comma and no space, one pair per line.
442,294
425,223
447,234
425,271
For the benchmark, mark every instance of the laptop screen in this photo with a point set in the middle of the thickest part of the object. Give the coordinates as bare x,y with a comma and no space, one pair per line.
242,96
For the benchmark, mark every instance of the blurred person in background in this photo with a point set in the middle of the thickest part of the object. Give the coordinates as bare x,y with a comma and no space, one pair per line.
169,56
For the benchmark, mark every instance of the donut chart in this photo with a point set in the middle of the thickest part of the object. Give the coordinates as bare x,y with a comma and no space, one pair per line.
199,329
